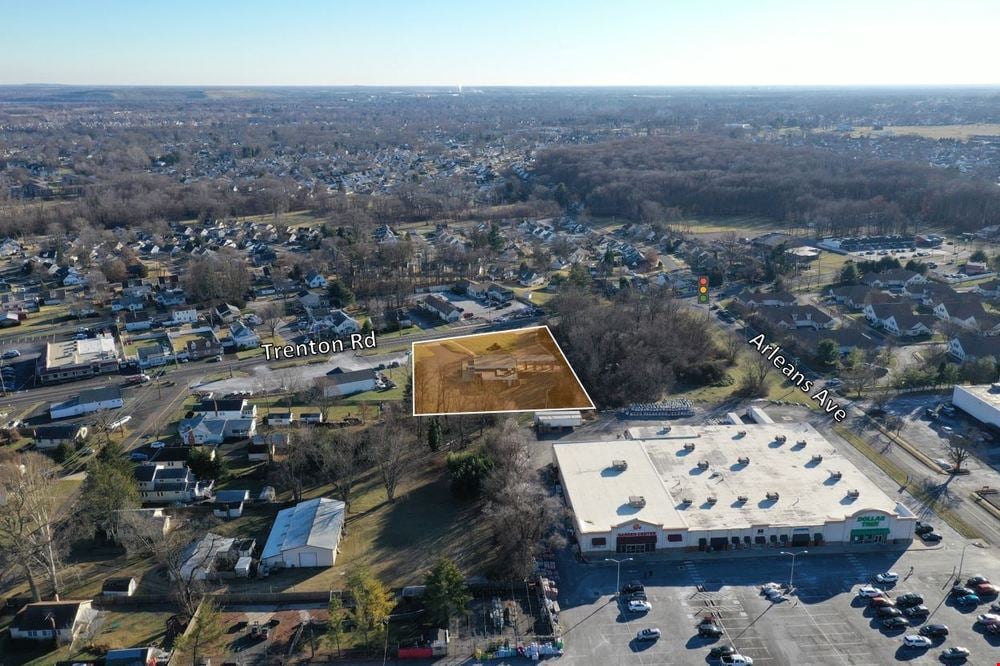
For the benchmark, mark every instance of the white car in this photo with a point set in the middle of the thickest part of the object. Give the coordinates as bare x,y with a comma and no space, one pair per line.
737,660
767,587
157,445
11,353
887,577
774,596
639,606
988,618
869,591
916,641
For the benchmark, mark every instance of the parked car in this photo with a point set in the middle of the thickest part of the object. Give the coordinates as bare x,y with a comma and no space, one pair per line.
917,611
888,611
909,599
639,606
720,651
887,577
869,591
987,590
923,528
138,456
934,630
932,537
915,641
648,634
955,654
737,660
968,600
995,607
156,445
961,590
709,630
895,623
638,596
988,618
976,580
11,353
879,602
634,586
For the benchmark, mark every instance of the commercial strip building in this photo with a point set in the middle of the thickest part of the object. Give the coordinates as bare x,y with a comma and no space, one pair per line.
980,402
78,359
722,487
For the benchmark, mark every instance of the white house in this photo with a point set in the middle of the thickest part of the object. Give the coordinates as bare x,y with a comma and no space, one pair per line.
243,336
442,308
315,280
165,485
336,383
52,620
226,408
51,436
89,400
341,324
898,319
306,535
280,418
184,315
229,503
970,347
204,429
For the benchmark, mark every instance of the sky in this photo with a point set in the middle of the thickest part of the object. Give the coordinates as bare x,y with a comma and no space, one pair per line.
509,43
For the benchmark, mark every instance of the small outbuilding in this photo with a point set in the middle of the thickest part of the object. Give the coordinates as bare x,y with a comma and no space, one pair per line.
306,535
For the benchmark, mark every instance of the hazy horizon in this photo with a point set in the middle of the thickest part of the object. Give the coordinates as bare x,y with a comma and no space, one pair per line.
446,44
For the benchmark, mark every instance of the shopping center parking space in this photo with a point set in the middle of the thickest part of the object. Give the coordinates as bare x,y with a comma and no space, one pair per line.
823,622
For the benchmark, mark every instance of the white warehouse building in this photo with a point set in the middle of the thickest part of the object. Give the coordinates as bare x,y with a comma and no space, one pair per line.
305,535
722,487
980,402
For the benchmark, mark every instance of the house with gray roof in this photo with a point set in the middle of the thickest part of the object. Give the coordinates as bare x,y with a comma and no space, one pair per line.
306,535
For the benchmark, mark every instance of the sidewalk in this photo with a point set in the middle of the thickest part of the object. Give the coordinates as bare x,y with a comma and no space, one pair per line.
695,556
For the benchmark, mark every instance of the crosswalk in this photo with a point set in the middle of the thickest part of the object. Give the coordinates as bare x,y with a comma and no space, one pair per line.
691,569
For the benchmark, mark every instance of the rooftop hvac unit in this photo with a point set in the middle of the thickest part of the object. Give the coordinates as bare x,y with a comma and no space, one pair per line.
773,496
836,475
637,501
743,460
689,446
854,493
713,500
817,458
781,438
620,465
742,499
702,464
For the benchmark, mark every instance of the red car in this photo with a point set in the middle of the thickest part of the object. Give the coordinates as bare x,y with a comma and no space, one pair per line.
879,602
987,590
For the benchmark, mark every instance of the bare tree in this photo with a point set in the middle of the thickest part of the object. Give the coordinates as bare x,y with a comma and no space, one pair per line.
756,372
389,446
30,519
732,345
184,553
957,454
343,455
272,315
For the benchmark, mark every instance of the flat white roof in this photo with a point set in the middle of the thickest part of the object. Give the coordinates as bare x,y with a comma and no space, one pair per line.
662,471
983,393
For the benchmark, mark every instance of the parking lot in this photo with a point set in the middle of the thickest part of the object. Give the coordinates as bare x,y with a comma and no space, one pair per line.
822,622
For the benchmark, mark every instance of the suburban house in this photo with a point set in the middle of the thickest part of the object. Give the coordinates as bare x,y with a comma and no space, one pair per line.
227,313
263,447
306,535
338,383
226,408
51,436
969,314
177,456
899,319
61,621
968,347
530,278
229,503
471,288
310,299
797,316
340,323
89,400
138,321
440,307
989,289
205,429
280,418
499,293
124,586
756,299
854,296
184,316
315,281
243,336
846,339
931,293
161,484
311,417
897,277
214,554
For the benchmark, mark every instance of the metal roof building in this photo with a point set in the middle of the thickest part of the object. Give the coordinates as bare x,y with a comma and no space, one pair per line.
305,535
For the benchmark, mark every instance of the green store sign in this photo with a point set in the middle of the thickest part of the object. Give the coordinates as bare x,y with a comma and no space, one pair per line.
871,521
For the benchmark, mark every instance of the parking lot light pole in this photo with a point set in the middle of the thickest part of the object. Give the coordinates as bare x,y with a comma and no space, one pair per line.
618,574
791,574
961,563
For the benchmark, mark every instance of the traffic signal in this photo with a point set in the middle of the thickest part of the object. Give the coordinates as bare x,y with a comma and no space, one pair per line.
703,290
